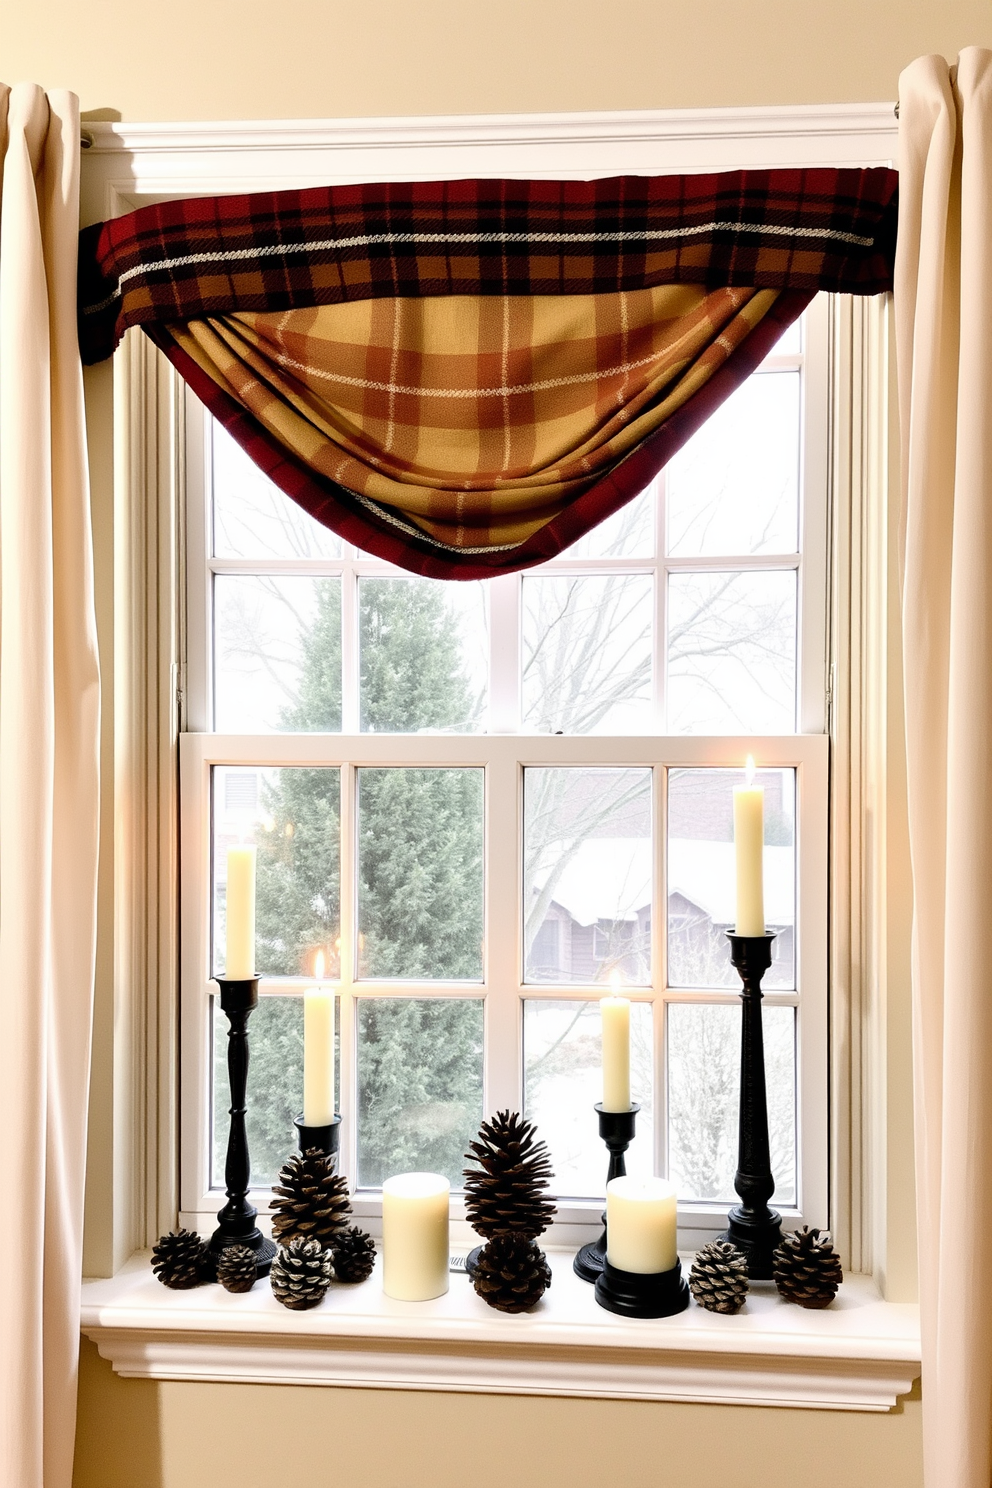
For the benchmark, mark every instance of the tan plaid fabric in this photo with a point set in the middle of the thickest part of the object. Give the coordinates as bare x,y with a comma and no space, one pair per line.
476,419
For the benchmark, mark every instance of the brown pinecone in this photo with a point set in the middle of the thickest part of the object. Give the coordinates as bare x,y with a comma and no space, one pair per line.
237,1269
311,1200
354,1255
807,1269
505,1193
512,1274
301,1274
718,1279
180,1260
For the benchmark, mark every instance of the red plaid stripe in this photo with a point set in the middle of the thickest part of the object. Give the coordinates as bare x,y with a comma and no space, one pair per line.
782,229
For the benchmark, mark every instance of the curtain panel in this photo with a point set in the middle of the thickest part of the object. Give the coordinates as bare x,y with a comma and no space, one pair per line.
944,346
464,377
49,784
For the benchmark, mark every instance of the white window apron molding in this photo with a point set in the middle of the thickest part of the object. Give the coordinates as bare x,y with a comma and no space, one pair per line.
860,1355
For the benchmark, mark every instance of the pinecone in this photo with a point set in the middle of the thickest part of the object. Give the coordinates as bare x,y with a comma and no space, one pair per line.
180,1260
354,1255
505,1194
312,1200
807,1269
237,1269
301,1274
718,1279
512,1274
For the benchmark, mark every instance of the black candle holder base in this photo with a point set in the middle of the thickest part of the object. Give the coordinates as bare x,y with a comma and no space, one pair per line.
590,1260
757,1237
472,1261
616,1130
326,1139
633,1294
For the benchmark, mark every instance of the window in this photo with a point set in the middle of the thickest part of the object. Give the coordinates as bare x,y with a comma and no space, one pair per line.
482,801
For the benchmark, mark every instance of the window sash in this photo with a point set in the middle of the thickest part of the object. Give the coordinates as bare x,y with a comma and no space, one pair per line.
504,758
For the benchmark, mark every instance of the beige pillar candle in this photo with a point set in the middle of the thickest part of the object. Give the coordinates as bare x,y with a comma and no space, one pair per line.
415,1236
615,1014
240,914
749,843
318,1051
641,1225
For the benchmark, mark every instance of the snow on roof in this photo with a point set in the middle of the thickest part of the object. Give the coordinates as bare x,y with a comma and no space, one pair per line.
609,878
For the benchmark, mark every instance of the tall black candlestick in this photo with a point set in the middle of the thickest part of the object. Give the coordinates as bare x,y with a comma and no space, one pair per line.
753,1227
616,1128
236,1221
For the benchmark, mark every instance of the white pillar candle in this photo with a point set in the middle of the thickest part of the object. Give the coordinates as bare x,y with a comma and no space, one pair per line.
615,1013
641,1225
240,914
415,1236
749,843
318,1051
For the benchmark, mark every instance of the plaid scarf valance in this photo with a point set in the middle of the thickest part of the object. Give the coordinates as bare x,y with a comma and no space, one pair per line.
465,376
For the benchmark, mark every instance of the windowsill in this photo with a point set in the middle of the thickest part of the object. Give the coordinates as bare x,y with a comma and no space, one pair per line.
860,1354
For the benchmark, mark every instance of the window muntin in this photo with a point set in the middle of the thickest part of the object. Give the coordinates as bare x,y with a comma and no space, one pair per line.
639,555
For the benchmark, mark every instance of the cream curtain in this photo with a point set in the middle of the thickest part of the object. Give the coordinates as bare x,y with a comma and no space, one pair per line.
49,719
943,299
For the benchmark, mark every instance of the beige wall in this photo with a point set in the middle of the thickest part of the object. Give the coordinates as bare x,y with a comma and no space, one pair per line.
136,1434
210,59
215,59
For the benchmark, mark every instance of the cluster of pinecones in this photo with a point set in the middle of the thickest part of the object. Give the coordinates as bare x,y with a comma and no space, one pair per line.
316,1244
806,1270
506,1203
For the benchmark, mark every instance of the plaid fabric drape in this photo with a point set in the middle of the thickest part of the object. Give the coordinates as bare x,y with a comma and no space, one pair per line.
465,376
467,425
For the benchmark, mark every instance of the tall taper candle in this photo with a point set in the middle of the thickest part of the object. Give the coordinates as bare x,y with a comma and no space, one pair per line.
240,914
318,1050
415,1236
749,842
615,1013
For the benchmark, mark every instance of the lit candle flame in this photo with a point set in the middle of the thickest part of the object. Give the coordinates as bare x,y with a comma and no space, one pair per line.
318,966
614,983
749,771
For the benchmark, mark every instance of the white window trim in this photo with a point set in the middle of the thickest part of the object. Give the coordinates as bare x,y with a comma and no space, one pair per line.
133,1154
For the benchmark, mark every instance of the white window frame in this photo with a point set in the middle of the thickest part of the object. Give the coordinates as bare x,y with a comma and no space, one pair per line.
504,752
133,1157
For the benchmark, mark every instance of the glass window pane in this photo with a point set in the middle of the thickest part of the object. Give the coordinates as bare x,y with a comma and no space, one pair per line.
424,655
275,1087
563,1066
420,877
587,875
734,487
704,1054
419,1085
732,653
294,818
277,654
252,517
587,654
702,876
629,533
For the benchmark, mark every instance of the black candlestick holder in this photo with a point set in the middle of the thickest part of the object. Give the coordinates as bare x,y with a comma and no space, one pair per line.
642,1295
326,1139
617,1130
753,1227
236,1221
